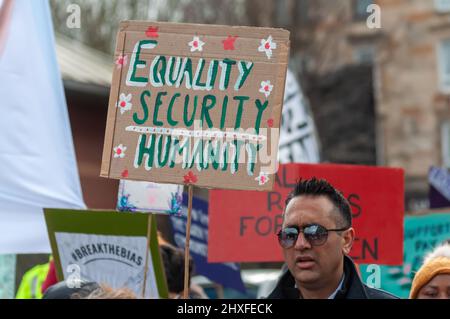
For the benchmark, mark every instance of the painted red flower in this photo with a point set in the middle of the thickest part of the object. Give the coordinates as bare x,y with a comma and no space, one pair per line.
190,178
270,122
124,173
121,61
228,43
152,32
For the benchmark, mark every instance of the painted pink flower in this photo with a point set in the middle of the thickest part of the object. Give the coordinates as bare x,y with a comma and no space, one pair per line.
267,45
266,88
124,103
119,151
196,44
263,178
121,61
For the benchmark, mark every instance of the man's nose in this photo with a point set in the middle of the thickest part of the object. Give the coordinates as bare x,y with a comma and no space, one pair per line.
302,243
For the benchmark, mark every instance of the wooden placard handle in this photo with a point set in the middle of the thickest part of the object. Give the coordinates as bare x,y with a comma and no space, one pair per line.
186,248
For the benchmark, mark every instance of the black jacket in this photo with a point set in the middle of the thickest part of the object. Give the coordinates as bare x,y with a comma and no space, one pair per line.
352,288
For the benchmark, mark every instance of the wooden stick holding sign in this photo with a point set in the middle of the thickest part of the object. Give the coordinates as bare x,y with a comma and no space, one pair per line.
186,248
149,227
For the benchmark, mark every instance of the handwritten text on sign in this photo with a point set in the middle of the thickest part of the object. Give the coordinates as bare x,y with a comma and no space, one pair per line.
196,104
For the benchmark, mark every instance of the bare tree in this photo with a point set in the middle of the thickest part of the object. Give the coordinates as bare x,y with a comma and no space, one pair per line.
99,19
313,24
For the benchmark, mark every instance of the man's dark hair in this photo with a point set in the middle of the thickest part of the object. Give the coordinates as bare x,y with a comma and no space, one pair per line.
61,290
173,260
320,187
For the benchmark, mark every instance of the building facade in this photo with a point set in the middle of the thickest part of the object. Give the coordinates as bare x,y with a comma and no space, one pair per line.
408,44
412,90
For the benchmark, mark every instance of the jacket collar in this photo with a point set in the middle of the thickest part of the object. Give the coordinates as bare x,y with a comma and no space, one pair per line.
351,288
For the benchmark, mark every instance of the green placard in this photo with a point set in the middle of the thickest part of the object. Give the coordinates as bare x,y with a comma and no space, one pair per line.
106,247
421,235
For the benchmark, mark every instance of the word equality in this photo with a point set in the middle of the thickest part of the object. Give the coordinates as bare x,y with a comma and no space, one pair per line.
176,71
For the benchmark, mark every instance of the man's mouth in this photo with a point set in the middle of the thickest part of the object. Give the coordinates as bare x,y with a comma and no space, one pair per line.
304,262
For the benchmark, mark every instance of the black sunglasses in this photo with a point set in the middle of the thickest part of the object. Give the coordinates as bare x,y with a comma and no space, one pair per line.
315,234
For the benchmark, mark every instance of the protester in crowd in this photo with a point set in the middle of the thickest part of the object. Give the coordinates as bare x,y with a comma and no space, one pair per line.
432,280
106,292
173,259
62,290
316,238
32,280
51,278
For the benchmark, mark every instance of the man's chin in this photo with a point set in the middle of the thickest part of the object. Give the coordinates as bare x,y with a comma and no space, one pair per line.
306,276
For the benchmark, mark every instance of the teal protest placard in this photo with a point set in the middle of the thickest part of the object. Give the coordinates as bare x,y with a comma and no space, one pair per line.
107,247
421,235
7,276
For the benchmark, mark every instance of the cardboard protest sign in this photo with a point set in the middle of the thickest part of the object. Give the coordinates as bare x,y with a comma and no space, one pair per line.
196,104
138,196
422,235
243,225
107,247
226,274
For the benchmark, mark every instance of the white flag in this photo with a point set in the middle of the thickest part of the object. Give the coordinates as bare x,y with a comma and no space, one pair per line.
298,139
37,160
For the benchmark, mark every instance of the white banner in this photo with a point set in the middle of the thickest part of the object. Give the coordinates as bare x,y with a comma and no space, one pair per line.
298,139
37,160
118,261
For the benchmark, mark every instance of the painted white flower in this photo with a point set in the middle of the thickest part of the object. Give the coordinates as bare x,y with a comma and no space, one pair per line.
196,44
267,45
124,103
262,178
266,88
119,151
121,61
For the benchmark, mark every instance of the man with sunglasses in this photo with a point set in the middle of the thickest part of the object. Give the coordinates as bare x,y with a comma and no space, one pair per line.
316,237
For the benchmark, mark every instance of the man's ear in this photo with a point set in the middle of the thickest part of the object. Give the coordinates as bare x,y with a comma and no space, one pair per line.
348,236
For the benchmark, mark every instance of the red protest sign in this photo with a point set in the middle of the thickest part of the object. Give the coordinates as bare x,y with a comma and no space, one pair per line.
243,224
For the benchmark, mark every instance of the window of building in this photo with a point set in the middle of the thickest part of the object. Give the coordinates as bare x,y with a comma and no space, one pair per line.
444,65
360,9
445,144
442,5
